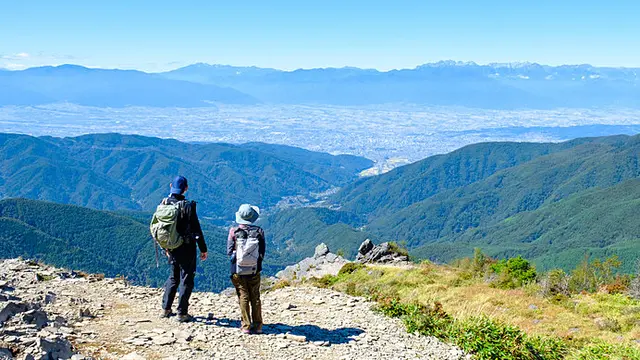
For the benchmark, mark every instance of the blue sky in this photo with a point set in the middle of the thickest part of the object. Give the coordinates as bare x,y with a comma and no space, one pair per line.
161,35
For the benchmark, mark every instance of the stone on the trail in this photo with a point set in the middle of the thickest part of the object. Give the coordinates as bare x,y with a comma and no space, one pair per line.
50,298
55,348
201,337
321,250
184,336
36,317
298,338
78,357
85,312
11,309
133,356
164,340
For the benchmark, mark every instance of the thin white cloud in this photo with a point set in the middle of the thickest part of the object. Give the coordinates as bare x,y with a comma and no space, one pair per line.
16,57
12,66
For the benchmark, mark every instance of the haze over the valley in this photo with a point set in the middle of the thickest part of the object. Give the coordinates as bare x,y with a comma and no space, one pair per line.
392,117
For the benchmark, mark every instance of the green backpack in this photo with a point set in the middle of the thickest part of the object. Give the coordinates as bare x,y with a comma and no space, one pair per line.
164,225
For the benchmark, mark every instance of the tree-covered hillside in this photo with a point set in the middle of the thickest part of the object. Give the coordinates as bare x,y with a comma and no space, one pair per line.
444,206
598,223
112,171
100,242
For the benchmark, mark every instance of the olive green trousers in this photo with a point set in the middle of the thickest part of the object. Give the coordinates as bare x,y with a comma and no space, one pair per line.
248,290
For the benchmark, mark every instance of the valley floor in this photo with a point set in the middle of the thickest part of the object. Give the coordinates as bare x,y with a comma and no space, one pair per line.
109,319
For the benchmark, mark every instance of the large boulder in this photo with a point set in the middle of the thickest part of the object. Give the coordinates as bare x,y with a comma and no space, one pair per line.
10,309
45,349
323,262
383,254
321,250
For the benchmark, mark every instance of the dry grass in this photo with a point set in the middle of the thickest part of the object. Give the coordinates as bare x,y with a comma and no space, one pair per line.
581,318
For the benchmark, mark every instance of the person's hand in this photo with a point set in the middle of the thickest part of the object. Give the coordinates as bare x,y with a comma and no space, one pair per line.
203,256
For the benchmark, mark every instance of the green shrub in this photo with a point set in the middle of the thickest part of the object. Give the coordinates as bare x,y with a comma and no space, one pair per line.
325,281
401,250
589,276
513,273
634,285
555,284
602,350
350,268
485,338
490,339
474,267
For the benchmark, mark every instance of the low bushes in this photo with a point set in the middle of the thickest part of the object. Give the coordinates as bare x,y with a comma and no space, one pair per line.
482,336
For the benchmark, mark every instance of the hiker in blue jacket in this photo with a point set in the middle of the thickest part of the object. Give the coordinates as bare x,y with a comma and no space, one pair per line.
184,258
246,248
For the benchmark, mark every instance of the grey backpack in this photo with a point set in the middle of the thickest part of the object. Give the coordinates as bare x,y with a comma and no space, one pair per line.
247,250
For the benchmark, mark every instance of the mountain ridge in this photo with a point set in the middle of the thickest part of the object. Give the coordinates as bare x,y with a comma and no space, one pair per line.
445,83
113,171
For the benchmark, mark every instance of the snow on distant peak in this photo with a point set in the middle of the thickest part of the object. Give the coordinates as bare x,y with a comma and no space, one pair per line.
448,63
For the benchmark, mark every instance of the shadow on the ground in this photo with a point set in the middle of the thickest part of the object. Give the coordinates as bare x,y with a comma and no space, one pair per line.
311,332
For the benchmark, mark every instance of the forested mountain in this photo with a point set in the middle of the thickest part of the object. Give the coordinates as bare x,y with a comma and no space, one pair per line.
99,242
112,171
293,234
552,203
446,205
598,222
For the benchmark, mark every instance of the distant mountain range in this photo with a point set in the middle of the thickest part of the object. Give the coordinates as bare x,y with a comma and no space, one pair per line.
499,86
446,83
109,88
112,171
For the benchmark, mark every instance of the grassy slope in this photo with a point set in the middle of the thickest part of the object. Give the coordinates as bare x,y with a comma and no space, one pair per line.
574,320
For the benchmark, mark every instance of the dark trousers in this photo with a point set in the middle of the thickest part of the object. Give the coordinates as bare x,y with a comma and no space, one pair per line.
182,273
248,290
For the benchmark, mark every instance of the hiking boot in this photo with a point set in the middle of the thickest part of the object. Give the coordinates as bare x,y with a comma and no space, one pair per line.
245,331
184,318
165,314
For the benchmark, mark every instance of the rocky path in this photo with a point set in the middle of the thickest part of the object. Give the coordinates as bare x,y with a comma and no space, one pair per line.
107,318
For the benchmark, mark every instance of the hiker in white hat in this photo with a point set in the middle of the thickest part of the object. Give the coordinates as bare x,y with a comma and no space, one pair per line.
246,247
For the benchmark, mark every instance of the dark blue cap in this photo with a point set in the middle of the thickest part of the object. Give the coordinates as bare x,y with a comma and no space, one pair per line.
179,185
